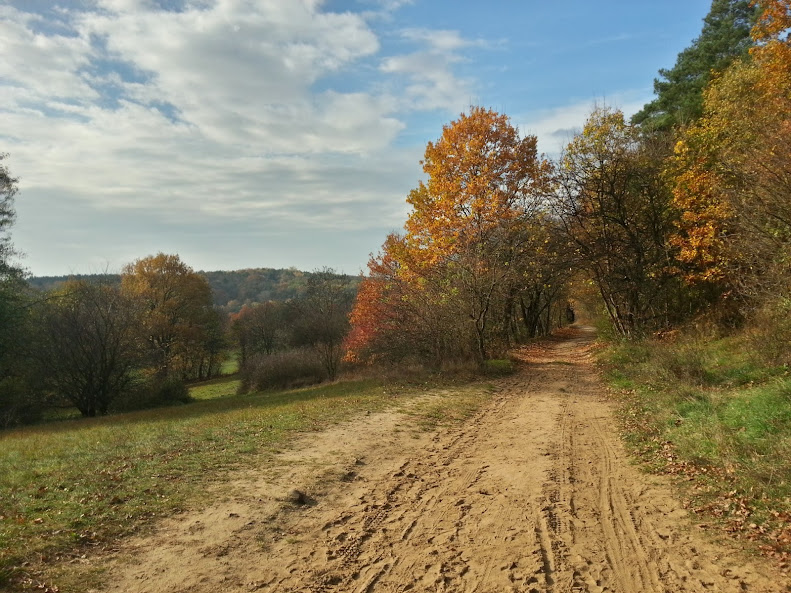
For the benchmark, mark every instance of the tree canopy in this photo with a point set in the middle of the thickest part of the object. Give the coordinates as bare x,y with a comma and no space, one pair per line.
455,283
679,90
8,191
181,326
732,169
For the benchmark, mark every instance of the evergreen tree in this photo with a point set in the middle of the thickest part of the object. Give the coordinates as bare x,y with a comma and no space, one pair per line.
679,90
12,282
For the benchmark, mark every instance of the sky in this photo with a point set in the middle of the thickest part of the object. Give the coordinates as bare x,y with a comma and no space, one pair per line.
284,133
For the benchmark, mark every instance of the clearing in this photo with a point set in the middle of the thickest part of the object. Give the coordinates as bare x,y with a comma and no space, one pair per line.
534,493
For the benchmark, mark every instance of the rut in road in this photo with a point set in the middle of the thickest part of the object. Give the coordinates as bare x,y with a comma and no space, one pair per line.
533,494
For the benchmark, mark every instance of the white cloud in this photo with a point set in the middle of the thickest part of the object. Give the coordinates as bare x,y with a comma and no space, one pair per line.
556,127
223,117
45,66
384,8
442,40
432,83
240,71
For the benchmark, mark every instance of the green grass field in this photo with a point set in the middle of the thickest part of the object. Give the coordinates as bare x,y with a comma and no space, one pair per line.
67,487
709,409
215,388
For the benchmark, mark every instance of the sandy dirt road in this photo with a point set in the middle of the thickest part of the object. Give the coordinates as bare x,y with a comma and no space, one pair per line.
533,494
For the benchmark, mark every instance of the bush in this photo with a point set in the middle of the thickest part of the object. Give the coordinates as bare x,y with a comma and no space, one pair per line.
282,370
770,332
154,393
17,405
689,362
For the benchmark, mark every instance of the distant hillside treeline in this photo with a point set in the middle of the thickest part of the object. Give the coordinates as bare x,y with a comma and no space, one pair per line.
230,290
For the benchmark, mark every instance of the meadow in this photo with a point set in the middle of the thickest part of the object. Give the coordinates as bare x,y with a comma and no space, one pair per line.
72,487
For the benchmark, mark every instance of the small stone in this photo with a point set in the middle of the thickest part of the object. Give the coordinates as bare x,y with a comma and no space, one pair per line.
296,497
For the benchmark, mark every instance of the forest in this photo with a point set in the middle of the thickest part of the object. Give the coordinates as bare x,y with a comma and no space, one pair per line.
231,290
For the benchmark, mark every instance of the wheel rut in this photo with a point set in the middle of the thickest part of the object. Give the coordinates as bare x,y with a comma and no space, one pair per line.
534,494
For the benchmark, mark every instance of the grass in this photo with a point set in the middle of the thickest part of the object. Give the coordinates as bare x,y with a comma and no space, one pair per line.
230,365
708,408
68,487
498,367
451,406
215,388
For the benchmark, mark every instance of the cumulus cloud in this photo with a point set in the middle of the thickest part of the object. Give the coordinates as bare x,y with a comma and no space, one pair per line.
431,81
186,117
42,65
240,71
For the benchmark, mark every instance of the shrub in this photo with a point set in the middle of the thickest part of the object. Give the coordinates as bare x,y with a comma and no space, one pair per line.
17,405
282,370
689,362
155,393
770,332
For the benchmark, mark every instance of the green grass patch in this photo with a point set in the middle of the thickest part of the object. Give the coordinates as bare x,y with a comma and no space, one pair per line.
707,408
69,487
215,388
230,365
498,367
449,406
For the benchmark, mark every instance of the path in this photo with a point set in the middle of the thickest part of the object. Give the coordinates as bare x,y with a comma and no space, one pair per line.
534,494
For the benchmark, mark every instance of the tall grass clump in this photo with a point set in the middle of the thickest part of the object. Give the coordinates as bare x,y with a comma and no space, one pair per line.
769,333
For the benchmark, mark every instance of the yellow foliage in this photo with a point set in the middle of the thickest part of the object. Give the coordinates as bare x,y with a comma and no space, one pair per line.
731,170
481,174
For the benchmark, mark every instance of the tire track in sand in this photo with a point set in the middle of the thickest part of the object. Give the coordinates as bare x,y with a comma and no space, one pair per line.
534,494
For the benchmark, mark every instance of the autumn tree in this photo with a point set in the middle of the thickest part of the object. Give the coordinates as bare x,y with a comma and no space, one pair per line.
615,208
260,329
481,175
541,278
732,170
451,285
400,316
380,318
181,326
483,183
89,345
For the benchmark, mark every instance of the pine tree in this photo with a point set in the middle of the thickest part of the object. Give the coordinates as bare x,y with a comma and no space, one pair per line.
679,90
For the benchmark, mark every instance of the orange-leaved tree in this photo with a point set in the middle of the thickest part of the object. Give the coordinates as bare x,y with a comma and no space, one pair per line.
378,318
732,170
454,271
481,175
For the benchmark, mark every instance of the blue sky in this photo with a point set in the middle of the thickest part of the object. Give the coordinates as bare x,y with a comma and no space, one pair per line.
278,133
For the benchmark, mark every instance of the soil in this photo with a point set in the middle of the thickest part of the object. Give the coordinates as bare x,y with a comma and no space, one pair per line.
532,494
